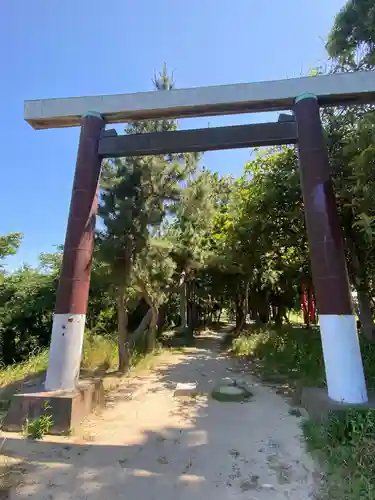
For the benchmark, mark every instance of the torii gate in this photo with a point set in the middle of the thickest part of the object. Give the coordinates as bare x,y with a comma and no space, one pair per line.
342,357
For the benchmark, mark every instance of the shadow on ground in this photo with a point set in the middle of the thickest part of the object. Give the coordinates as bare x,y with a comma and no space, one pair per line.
205,447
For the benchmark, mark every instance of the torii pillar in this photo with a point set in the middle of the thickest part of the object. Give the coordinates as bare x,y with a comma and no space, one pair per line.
341,351
73,289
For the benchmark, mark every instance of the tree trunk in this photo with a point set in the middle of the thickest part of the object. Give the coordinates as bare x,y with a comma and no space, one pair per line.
305,305
121,275
219,315
141,329
264,309
161,318
359,279
365,315
122,320
253,311
183,300
240,313
278,318
190,319
151,336
246,301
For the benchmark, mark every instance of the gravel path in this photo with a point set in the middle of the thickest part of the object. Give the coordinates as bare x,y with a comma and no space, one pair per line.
157,447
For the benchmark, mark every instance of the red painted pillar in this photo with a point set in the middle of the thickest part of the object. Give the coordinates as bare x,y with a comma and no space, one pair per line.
73,289
342,356
304,302
311,305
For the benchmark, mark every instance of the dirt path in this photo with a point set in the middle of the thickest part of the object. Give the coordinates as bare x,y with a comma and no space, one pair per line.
156,447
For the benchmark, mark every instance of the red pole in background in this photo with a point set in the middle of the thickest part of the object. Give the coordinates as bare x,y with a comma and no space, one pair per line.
305,304
311,304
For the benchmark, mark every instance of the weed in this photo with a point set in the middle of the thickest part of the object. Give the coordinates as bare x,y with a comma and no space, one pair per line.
99,352
344,445
36,363
39,427
140,361
351,426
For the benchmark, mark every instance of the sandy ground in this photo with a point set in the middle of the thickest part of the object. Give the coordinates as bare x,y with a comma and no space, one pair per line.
156,447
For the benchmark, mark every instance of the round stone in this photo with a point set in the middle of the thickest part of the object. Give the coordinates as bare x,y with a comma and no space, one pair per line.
231,393
230,389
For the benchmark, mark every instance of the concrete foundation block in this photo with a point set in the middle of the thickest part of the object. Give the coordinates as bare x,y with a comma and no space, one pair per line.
318,405
68,409
187,390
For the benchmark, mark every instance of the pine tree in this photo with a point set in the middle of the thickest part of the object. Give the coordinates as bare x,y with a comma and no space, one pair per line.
137,194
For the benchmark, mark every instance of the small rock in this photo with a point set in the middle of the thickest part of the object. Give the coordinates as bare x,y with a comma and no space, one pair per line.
272,444
228,381
234,453
247,485
188,389
267,486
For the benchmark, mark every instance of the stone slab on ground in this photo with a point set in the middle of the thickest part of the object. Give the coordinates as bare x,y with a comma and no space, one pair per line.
187,390
318,405
68,409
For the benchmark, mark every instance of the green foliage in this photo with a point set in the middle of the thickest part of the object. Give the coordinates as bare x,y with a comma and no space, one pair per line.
27,298
352,38
344,444
39,427
26,303
178,337
99,352
35,364
153,271
137,195
292,353
9,244
351,426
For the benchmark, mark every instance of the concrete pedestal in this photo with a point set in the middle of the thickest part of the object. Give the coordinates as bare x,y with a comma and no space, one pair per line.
68,409
318,405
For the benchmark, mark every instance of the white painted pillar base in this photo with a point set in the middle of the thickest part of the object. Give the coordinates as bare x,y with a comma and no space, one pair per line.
342,358
65,352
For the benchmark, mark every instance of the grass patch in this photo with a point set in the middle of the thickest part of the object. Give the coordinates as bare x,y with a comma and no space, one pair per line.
140,361
291,353
99,352
344,443
37,363
178,337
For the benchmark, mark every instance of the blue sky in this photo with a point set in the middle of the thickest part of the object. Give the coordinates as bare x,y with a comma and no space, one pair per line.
51,48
